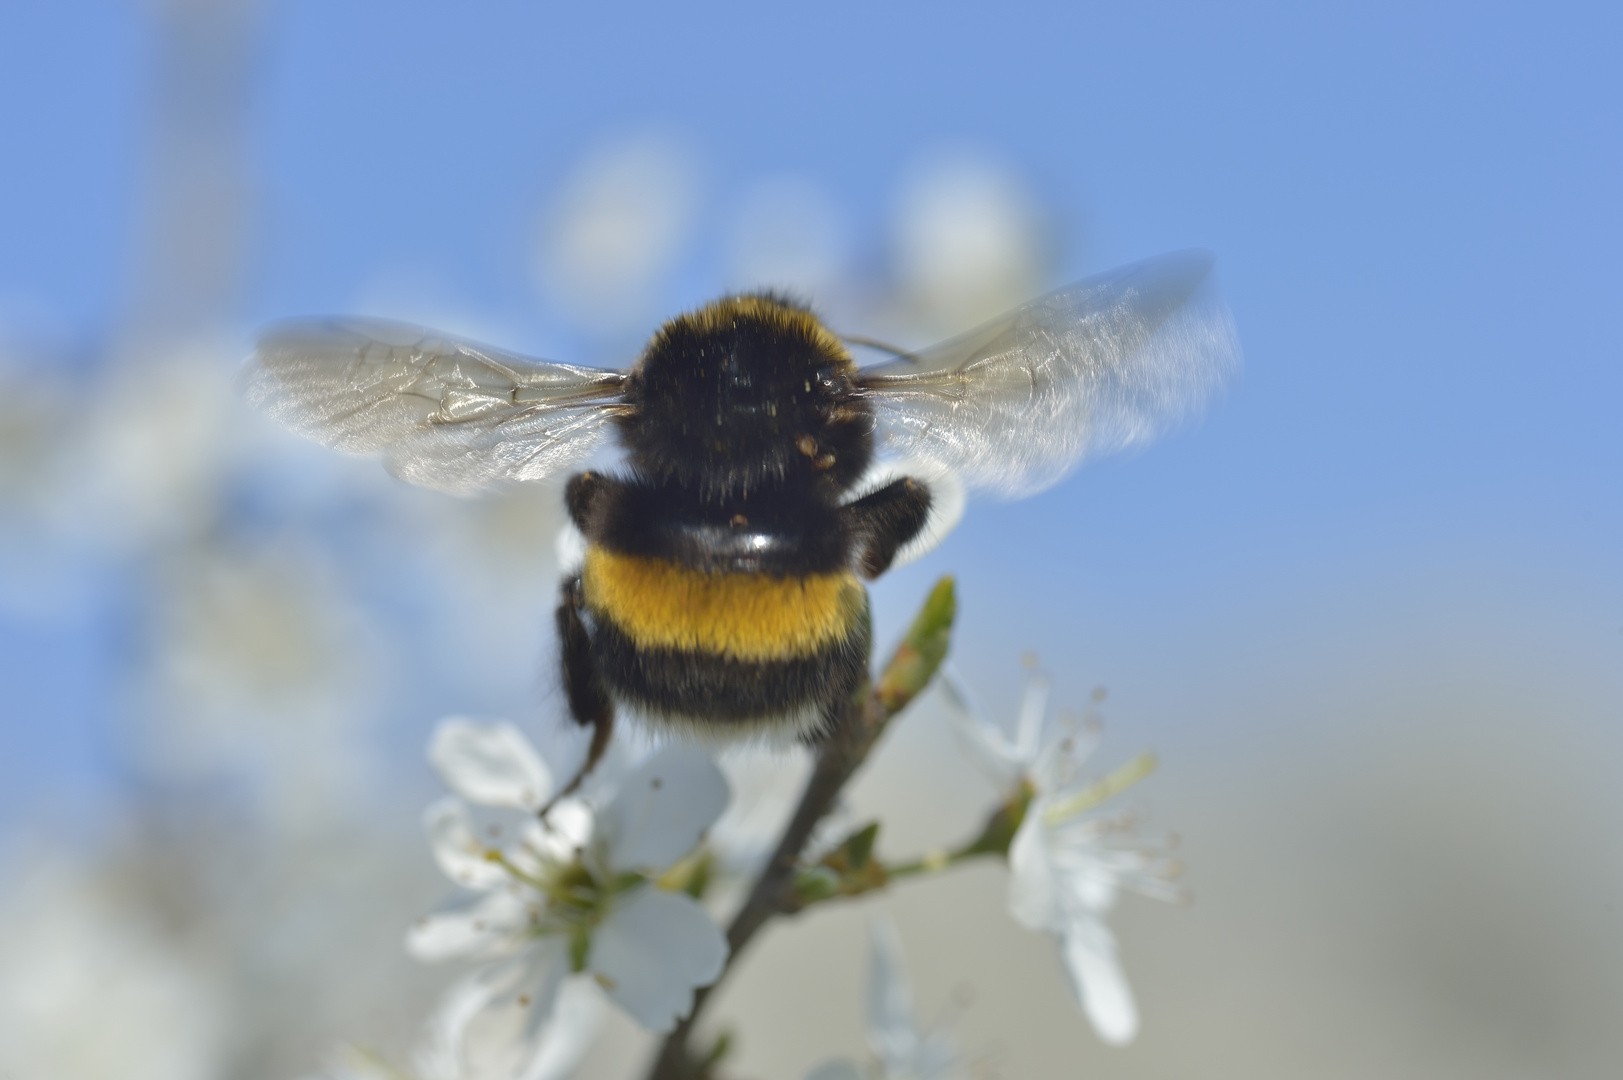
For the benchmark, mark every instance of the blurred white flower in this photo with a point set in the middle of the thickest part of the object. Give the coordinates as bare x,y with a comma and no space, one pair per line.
465,1041
573,895
258,662
969,242
903,1049
617,227
490,764
91,990
1067,866
164,428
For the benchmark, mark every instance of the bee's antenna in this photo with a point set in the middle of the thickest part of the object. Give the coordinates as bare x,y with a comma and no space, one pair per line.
871,343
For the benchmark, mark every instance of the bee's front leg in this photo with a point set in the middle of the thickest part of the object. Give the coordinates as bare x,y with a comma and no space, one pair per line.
883,521
589,703
587,496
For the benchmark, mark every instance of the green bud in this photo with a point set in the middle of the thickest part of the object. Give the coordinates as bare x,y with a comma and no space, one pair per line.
921,651
858,847
719,1050
814,883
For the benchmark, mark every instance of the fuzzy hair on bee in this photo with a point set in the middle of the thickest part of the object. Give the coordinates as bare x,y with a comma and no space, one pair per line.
719,594
765,476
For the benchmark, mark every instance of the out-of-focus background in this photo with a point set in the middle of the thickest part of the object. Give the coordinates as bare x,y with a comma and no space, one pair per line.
1369,611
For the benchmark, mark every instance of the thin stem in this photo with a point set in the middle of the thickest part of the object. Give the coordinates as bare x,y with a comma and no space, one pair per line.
932,863
994,839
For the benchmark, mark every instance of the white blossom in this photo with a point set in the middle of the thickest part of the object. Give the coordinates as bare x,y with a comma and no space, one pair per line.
92,989
572,901
1066,864
902,1048
490,764
463,1041
968,241
617,226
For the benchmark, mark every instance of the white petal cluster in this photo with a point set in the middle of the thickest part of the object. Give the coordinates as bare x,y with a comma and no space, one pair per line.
569,909
1067,865
92,989
453,1048
903,1049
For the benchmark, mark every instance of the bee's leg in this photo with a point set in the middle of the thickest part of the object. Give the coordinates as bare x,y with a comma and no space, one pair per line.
885,520
589,704
584,492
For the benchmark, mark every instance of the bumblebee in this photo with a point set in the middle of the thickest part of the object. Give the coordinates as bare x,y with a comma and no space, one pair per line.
765,475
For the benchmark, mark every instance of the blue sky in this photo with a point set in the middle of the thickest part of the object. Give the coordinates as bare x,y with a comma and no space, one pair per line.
1415,209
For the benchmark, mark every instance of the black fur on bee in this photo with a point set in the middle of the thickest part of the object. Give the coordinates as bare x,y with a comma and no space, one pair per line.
720,589
746,394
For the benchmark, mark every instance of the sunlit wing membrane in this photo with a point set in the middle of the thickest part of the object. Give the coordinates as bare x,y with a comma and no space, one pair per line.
1103,365
445,414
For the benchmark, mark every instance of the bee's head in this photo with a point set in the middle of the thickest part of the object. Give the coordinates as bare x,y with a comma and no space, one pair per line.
747,392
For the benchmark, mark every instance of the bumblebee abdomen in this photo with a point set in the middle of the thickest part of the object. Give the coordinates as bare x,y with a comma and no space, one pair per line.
659,604
698,649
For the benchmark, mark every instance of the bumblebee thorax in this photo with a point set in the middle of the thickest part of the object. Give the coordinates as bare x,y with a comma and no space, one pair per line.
745,392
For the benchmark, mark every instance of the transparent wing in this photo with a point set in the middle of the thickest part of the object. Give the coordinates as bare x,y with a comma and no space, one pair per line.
445,414
1103,365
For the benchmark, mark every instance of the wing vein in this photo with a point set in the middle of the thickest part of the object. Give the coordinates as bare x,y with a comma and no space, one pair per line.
445,414
1104,365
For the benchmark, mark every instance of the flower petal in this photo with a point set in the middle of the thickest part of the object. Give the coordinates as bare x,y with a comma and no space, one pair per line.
1089,952
892,1032
1034,896
577,1016
494,1022
1068,743
490,764
440,1055
662,809
496,922
457,848
1085,874
983,742
567,829
1033,708
536,996
937,1056
652,950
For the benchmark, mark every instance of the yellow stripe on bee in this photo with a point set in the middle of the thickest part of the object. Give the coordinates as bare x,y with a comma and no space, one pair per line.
753,617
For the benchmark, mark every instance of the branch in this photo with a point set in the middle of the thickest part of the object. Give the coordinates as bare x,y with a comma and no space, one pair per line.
857,730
